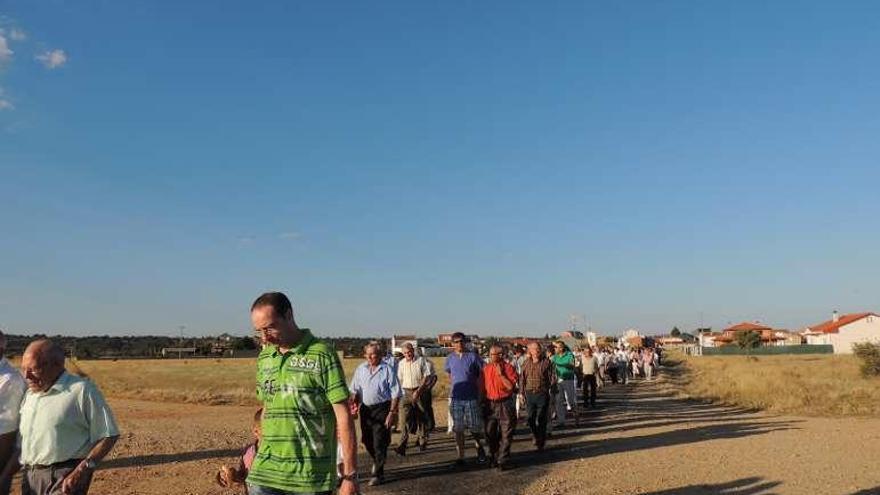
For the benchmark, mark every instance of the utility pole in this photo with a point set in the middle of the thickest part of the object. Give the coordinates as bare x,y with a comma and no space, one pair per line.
180,346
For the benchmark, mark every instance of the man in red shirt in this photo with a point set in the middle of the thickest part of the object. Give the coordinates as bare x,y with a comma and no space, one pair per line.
499,379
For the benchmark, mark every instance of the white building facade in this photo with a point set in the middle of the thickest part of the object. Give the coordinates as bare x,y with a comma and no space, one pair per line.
842,331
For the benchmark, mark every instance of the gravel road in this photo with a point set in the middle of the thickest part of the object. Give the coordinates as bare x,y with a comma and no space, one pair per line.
642,440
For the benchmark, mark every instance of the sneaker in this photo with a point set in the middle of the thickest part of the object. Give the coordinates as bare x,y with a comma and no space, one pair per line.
423,445
375,481
481,457
400,450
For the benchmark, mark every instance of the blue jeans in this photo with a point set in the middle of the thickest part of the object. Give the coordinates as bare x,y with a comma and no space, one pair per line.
263,490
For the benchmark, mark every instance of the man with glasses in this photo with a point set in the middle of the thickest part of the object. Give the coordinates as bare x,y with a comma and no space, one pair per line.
301,385
465,369
499,381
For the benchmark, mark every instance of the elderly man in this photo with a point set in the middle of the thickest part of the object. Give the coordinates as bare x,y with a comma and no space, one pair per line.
538,376
465,370
301,384
66,426
590,370
12,388
416,375
499,382
376,392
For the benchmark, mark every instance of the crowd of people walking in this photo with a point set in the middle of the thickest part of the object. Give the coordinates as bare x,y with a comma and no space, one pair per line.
56,427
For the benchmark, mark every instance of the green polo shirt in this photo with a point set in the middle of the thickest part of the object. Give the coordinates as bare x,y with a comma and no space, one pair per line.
298,389
563,372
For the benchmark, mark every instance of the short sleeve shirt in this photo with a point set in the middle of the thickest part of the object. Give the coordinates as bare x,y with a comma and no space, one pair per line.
375,385
64,422
297,452
464,373
412,373
12,387
495,389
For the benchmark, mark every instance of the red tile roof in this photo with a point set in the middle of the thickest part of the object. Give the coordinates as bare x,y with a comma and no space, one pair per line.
832,326
746,326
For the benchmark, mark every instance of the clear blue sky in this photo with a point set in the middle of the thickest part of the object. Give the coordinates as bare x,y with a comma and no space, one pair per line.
424,166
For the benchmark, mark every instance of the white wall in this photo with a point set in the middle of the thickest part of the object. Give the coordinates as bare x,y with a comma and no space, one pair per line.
865,330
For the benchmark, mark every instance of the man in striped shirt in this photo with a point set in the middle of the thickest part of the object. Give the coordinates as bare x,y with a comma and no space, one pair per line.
417,376
301,384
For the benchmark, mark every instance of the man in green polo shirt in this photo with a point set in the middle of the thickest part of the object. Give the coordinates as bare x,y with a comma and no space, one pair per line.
302,386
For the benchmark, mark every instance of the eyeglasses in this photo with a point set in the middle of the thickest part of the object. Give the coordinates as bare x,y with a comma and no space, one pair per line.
457,341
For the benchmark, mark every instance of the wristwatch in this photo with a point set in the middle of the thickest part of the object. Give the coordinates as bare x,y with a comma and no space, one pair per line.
90,463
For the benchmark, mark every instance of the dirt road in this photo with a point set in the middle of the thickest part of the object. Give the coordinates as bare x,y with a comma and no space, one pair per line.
641,441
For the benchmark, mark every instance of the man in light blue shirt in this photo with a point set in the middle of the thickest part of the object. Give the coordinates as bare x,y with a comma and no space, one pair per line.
376,391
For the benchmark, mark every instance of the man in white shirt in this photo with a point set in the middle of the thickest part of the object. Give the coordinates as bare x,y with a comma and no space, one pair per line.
417,377
66,427
12,389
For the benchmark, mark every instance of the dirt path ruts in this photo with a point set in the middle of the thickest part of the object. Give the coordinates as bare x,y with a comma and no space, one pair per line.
641,441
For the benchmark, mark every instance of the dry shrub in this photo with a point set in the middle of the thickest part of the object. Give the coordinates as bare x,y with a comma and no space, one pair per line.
869,353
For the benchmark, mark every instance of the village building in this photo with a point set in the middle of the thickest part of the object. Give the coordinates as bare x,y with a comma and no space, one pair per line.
842,331
768,335
445,340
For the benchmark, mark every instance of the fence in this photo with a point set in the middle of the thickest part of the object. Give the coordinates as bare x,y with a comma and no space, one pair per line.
733,350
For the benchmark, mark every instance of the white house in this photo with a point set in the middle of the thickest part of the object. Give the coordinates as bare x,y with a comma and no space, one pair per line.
842,331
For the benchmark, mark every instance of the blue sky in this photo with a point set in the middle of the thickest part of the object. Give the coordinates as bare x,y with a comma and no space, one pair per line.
405,166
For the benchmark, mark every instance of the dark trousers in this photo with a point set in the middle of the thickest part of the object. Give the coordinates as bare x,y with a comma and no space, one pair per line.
428,403
47,480
539,408
413,419
590,385
500,423
374,435
612,371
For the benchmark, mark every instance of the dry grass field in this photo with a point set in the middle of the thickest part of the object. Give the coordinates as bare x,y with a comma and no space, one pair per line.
195,381
813,385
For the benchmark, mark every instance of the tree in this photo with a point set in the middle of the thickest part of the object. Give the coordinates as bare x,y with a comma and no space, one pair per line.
748,340
675,332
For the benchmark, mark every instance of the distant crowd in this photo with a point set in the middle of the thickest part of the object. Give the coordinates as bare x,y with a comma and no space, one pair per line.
303,390
56,427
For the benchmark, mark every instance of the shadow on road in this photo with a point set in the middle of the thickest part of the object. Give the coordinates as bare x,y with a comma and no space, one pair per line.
634,417
153,459
744,486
